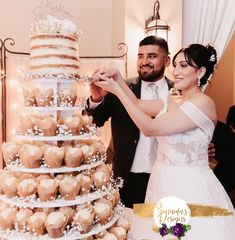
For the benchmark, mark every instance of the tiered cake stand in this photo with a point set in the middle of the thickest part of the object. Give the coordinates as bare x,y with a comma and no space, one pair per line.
34,202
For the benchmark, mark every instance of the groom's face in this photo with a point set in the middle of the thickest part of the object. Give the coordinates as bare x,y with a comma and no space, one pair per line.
151,63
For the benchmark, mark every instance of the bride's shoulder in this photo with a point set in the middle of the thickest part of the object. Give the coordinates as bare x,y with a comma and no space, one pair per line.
203,101
206,105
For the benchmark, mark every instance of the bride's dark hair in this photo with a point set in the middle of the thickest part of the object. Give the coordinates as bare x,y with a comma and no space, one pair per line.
197,56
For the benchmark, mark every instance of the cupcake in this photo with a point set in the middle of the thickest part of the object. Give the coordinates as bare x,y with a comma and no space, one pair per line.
86,183
101,177
47,124
47,189
8,184
7,217
86,121
21,218
74,124
26,123
73,157
3,205
68,187
88,153
53,156
103,210
69,212
98,146
113,196
27,187
44,99
84,218
10,152
29,98
109,236
67,97
36,223
124,223
104,168
30,155
55,224
119,232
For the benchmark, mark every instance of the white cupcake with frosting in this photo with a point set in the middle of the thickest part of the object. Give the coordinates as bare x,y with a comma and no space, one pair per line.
27,187
21,218
47,189
55,224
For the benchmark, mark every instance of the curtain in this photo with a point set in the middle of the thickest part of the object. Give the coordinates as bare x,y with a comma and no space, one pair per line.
208,21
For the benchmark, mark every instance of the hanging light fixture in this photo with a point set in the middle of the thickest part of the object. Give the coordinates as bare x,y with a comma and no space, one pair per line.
155,26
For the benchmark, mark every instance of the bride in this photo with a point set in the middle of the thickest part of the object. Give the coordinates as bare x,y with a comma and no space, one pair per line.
184,127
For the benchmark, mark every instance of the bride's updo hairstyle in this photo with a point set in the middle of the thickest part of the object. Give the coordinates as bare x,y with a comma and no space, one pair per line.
197,56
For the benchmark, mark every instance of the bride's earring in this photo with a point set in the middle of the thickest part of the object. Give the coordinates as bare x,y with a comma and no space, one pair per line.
198,81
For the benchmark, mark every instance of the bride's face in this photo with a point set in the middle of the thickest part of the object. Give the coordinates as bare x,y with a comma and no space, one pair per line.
185,75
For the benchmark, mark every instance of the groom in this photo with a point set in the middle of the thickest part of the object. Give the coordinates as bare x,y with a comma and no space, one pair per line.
130,152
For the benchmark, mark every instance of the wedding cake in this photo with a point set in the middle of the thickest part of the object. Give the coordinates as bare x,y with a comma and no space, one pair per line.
54,48
56,183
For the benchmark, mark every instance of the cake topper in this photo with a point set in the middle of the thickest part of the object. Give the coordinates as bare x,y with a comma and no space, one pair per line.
50,7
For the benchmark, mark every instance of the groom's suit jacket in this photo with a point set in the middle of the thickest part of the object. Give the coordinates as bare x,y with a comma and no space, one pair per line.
125,134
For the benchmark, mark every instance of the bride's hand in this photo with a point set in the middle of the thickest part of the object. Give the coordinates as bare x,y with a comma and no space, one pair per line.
107,84
108,72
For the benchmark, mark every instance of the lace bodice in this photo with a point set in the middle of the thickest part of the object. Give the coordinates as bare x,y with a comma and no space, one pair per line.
188,148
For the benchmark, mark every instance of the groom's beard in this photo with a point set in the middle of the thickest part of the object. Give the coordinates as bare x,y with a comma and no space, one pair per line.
151,76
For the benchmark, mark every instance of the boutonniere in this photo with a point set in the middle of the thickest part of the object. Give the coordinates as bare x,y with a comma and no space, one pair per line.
174,91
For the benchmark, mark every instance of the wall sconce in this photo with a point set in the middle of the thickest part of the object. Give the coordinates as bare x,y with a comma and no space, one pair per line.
155,26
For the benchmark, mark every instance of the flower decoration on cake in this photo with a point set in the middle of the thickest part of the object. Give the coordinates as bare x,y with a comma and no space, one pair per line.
54,50
54,25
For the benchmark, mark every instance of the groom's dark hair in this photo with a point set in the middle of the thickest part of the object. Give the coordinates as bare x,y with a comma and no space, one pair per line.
153,40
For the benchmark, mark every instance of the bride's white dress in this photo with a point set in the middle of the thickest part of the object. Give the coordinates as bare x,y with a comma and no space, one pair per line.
182,170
